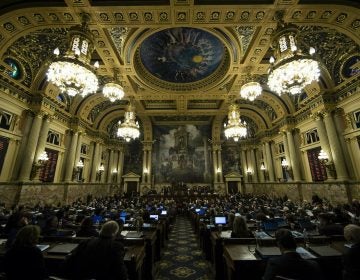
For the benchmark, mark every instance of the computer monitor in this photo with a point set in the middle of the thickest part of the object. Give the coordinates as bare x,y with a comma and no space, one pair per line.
97,219
197,210
163,212
123,214
220,220
123,219
270,225
154,217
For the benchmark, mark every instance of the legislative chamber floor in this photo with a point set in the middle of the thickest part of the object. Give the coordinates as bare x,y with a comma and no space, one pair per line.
182,257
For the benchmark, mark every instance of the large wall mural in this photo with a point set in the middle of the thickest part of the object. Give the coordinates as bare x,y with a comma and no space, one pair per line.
182,154
230,156
133,156
182,55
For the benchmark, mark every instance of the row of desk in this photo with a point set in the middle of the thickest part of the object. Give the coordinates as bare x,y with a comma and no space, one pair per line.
236,258
140,254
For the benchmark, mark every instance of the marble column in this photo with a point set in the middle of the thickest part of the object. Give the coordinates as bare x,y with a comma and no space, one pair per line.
29,153
261,174
95,162
29,117
221,178
244,164
149,166
42,137
120,164
215,163
110,166
69,169
295,162
253,161
206,171
337,154
249,169
286,149
324,141
355,155
78,149
269,162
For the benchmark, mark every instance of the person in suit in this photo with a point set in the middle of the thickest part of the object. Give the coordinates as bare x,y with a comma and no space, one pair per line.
240,229
99,258
24,260
351,258
290,265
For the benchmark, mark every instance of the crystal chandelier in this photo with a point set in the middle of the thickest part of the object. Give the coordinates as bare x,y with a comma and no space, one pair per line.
113,90
72,73
129,129
250,90
234,128
291,69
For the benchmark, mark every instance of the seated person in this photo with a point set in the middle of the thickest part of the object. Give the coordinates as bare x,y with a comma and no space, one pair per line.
351,259
290,265
98,258
87,228
51,226
240,229
328,227
24,260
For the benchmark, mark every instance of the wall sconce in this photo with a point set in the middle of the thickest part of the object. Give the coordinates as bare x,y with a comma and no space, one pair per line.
262,167
100,172
77,170
218,170
114,175
285,164
249,175
41,161
324,160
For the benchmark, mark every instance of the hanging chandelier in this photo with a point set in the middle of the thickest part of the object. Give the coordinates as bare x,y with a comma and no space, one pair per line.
250,90
72,72
129,129
113,90
291,70
234,128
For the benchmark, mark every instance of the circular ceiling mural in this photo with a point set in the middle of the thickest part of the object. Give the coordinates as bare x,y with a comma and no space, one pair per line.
181,55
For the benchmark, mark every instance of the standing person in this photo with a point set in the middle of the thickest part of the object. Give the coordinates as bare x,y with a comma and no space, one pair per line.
99,258
290,265
351,259
24,260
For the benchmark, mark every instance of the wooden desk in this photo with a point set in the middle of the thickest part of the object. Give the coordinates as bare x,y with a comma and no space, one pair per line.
241,264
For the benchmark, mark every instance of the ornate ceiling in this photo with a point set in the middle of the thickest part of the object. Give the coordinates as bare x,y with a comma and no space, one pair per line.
182,61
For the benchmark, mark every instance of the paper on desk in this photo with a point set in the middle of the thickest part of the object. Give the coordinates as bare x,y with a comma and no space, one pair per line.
305,254
226,234
124,232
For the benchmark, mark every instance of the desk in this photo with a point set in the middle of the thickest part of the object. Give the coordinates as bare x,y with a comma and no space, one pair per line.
133,259
242,264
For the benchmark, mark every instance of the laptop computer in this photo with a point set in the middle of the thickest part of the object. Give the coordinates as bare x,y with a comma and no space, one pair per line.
43,247
270,227
65,248
324,251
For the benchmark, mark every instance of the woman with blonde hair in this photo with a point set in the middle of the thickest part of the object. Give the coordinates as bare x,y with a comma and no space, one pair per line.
24,260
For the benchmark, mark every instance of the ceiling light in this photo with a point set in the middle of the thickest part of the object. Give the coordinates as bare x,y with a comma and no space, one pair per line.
234,128
250,90
129,129
72,72
291,70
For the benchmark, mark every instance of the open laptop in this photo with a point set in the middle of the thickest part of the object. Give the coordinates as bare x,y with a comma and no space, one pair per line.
63,249
270,227
134,234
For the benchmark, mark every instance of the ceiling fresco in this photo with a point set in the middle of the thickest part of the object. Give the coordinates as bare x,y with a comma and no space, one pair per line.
180,61
181,55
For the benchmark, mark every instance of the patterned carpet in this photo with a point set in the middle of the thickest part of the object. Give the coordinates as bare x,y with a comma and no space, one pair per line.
182,257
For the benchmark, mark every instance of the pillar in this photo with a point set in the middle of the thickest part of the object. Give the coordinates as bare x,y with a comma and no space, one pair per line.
253,162
95,162
337,155
244,164
269,162
69,168
110,166
42,137
29,153
295,161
